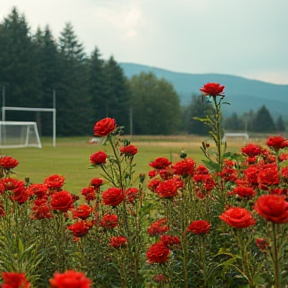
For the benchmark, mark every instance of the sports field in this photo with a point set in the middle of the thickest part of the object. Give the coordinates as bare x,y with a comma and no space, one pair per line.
70,157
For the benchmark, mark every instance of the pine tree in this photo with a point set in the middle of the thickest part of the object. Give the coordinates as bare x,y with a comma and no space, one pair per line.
74,113
263,121
280,125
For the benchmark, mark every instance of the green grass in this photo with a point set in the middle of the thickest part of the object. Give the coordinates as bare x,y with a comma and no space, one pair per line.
71,157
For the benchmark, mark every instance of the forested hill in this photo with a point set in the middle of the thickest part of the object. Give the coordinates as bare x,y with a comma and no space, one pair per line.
242,93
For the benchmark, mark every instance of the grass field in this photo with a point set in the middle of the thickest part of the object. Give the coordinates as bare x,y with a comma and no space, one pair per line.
71,156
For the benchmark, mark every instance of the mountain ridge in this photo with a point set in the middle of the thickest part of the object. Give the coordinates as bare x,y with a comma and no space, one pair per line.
244,94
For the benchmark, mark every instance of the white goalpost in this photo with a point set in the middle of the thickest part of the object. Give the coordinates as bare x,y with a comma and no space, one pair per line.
28,124
236,136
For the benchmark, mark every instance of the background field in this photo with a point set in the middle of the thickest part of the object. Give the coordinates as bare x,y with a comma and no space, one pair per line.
71,156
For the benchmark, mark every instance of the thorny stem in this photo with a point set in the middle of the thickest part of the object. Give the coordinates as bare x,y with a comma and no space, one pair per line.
275,256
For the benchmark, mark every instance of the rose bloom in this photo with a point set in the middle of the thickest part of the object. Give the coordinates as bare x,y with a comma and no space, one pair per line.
83,211
70,279
171,242
159,278
166,173
157,253
283,157
131,195
273,208
158,227
153,184
109,221
238,217
113,196
244,192
20,193
284,172
96,183
2,210
8,162
202,170
251,174
118,242
212,89
199,227
251,150
54,181
98,158
80,228
129,150
104,127
185,167
39,190
169,188
160,163
268,175
61,201
152,173
40,209
277,143
14,280
89,193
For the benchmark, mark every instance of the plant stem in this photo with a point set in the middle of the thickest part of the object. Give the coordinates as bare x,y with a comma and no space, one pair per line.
275,257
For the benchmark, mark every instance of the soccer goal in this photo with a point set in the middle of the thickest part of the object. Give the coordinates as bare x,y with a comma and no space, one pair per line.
236,136
14,134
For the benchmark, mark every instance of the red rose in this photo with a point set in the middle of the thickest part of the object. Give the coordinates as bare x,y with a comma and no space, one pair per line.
8,162
268,175
160,163
113,196
98,158
41,209
80,228
152,173
70,279
61,201
129,150
199,227
158,227
159,278
131,195
118,242
157,253
83,211
185,167
104,127
238,217
109,221
277,142
251,174
89,193
20,193
96,183
54,181
244,192
169,188
171,242
262,244
212,89
153,184
273,208
251,150
39,190
166,173
14,280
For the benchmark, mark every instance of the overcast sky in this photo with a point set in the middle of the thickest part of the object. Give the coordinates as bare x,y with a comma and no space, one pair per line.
238,37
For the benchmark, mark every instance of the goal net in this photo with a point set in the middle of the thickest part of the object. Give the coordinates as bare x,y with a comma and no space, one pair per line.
237,137
14,134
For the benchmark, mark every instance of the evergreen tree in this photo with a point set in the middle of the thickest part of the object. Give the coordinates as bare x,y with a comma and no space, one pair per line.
156,105
117,96
234,123
18,67
96,85
280,125
199,107
74,113
263,121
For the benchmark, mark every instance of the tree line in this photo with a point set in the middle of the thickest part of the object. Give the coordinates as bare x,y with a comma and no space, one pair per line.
37,70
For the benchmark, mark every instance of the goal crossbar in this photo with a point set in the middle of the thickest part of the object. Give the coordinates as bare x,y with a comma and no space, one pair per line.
53,110
245,135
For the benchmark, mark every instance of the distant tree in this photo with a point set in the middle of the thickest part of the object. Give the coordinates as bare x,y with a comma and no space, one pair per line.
234,123
247,118
199,107
280,125
18,68
116,93
96,85
156,105
263,122
74,112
